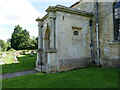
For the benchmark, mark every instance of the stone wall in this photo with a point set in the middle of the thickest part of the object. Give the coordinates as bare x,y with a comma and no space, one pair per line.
70,46
85,6
109,49
69,64
51,68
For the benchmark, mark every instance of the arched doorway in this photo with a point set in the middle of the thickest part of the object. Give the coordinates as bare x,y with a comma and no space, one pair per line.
46,44
47,40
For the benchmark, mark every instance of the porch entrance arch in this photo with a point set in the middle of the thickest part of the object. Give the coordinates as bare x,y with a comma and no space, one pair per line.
46,45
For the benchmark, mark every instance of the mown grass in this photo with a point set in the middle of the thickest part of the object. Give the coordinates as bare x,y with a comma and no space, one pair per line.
82,78
25,63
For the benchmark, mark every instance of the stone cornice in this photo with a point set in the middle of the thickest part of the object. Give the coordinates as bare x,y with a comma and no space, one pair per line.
45,17
38,19
69,10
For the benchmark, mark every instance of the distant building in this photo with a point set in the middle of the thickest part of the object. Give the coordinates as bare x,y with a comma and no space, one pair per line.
73,37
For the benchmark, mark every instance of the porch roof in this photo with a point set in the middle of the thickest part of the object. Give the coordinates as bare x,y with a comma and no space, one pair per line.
69,10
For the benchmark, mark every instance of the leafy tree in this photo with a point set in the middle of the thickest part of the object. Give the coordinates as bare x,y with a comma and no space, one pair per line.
20,38
3,45
8,43
34,41
16,37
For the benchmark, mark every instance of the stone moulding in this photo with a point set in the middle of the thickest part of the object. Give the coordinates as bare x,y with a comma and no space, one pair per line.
69,10
52,50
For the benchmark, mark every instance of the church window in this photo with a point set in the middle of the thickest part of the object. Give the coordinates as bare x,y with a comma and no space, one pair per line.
76,32
116,15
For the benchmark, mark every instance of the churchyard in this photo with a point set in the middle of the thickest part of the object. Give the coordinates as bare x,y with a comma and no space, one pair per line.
91,77
17,61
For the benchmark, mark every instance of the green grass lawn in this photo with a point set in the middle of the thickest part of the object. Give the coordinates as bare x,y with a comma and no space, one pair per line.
82,78
25,63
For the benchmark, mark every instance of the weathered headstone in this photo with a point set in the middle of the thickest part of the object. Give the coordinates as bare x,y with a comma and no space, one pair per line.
15,58
2,62
17,54
32,53
4,54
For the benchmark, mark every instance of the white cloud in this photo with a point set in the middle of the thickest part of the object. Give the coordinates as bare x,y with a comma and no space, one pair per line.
33,29
17,12
1,30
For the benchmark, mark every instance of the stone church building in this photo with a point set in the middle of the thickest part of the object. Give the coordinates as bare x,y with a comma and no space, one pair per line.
73,37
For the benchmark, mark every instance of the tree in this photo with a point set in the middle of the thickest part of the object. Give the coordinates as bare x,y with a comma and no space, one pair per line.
20,39
8,43
3,45
16,37
34,41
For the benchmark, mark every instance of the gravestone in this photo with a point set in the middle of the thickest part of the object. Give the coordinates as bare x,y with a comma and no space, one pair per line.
4,54
15,55
2,62
29,51
32,53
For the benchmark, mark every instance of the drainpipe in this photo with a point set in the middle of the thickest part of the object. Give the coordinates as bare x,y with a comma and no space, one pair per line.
97,34
54,33
91,39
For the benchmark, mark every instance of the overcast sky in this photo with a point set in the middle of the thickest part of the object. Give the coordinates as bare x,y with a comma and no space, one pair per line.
24,13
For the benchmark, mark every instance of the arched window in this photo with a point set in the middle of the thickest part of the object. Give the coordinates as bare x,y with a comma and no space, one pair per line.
117,21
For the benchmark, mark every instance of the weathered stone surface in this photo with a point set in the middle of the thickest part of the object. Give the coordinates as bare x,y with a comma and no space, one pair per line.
51,68
58,29
108,48
65,65
113,63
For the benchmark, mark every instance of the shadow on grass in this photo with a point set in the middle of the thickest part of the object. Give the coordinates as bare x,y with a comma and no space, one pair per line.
25,63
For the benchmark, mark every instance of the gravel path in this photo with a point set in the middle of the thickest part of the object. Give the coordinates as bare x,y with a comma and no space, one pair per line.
17,74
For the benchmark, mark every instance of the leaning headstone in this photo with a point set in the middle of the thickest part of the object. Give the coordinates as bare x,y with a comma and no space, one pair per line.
15,58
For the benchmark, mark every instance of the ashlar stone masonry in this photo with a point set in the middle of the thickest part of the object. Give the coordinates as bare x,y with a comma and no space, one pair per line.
65,36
